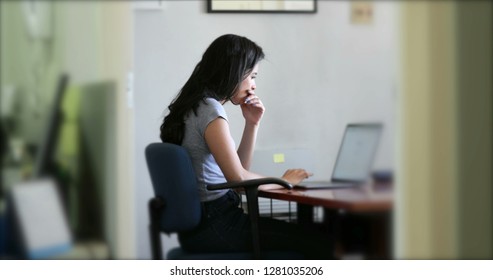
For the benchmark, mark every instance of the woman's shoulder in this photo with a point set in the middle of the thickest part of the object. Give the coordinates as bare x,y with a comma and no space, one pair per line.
211,106
212,102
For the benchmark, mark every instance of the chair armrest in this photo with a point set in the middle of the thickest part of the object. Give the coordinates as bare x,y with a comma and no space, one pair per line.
251,191
253,183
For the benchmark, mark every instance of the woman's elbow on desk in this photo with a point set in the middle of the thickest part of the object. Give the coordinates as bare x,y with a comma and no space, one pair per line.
269,187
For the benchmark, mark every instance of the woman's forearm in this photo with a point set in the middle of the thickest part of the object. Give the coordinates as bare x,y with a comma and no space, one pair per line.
247,145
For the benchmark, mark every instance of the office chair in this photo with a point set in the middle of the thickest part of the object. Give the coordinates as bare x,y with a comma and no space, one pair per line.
176,205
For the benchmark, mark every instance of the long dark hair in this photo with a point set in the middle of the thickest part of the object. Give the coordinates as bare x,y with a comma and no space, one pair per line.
225,63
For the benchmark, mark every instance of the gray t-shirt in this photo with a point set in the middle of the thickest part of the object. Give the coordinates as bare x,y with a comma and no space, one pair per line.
204,164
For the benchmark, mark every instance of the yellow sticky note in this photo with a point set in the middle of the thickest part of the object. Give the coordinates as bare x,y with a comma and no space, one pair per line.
278,158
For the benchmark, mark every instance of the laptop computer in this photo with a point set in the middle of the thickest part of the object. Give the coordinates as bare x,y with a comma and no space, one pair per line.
355,157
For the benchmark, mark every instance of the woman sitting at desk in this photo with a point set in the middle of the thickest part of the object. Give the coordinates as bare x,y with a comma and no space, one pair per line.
198,122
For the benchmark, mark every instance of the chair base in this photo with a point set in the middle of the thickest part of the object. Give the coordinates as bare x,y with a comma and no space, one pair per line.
180,254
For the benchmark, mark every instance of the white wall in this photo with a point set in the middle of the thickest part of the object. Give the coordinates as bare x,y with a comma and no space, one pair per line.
320,73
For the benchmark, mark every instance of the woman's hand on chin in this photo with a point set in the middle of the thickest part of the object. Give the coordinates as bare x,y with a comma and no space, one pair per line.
252,108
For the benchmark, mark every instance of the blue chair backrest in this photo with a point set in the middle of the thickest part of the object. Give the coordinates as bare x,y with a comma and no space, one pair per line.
173,179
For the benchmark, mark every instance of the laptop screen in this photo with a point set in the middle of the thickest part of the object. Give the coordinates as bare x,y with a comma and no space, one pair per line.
356,152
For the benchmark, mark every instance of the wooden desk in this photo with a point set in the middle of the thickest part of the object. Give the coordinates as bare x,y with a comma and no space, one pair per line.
372,202
368,198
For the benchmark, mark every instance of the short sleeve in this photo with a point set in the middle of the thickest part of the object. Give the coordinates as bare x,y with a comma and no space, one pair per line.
208,112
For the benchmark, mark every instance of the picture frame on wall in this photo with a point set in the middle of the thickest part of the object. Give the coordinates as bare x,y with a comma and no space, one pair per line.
262,6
